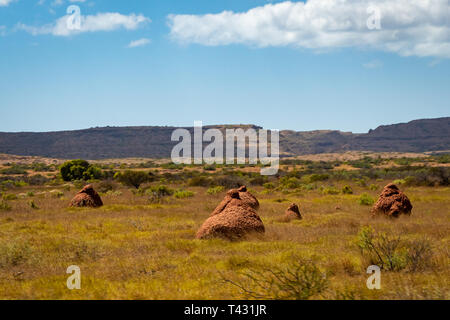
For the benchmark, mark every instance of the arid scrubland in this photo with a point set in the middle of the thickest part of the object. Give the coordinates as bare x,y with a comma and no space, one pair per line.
141,244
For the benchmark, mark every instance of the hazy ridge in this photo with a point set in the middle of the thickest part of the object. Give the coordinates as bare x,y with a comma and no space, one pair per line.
154,142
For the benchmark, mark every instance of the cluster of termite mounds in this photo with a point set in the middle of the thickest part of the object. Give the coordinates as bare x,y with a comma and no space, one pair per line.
236,215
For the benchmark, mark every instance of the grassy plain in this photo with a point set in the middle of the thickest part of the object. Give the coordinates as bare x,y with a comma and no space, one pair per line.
134,249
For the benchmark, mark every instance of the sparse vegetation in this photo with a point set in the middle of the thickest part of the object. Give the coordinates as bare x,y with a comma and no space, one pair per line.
133,178
215,190
301,280
366,200
141,243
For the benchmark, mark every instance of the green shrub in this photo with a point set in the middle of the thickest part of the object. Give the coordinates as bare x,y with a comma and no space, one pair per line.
393,253
419,254
56,193
308,187
215,190
133,178
182,194
14,253
269,186
366,200
347,190
230,181
162,190
443,158
42,167
4,206
112,193
37,180
399,181
373,187
199,181
20,184
79,170
14,169
381,250
314,178
289,182
9,197
30,194
330,190
209,167
157,194
301,280
362,182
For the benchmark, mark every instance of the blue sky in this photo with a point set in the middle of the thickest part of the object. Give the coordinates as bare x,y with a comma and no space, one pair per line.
162,62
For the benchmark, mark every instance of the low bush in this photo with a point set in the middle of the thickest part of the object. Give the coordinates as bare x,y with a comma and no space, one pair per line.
10,197
392,253
366,200
269,186
4,206
183,194
301,280
230,181
347,190
133,178
215,190
330,191
199,181
381,250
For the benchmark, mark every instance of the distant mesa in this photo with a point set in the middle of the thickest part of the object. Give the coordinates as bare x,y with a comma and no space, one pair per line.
155,142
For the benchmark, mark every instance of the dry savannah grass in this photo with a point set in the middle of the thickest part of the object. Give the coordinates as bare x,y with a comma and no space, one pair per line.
133,248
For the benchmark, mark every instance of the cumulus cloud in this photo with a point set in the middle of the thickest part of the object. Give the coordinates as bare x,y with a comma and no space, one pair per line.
139,43
407,27
4,3
90,23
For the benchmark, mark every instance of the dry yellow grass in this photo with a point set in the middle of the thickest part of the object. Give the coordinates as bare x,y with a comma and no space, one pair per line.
130,249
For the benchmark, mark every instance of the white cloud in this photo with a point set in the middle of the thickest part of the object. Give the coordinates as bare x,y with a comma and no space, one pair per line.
374,64
408,27
56,3
4,3
139,43
90,23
